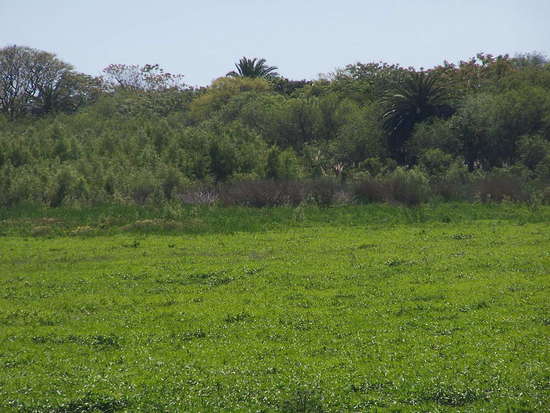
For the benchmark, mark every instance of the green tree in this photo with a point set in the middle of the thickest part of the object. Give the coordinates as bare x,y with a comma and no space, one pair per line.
367,81
490,126
34,81
220,92
418,97
253,68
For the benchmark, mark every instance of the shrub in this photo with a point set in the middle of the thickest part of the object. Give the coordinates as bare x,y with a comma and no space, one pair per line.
198,196
172,181
282,165
435,162
21,185
304,400
373,166
143,185
436,134
448,190
533,149
263,193
323,191
407,186
499,188
454,184
68,185
369,190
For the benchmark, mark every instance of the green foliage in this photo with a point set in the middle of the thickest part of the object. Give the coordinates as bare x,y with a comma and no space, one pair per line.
435,162
367,81
142,136
37,82
67,184
417,98
282,165
534,153
360,137
490,126
220,93
409,186
438,134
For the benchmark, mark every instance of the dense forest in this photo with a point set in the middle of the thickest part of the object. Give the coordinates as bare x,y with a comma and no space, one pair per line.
476,130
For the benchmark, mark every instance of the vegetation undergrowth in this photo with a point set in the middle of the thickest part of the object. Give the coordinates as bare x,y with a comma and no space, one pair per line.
175,218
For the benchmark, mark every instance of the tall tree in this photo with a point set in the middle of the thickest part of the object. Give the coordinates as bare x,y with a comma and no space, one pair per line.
253,68
417,98
141,78
34,81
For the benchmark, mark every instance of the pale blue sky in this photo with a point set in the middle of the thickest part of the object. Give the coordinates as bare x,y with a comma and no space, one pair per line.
202,39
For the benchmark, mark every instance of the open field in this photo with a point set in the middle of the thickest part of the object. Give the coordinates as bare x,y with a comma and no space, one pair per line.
373,308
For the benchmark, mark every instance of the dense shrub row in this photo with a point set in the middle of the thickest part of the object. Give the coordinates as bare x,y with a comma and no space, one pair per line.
408,187
95,182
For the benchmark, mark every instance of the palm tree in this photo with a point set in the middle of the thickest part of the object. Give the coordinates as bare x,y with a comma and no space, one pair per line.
253,68
418,97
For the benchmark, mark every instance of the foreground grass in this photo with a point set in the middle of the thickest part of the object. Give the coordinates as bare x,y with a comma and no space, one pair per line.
177,219
430,315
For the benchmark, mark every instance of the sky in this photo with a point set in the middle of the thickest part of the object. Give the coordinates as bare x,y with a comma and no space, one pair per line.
202,39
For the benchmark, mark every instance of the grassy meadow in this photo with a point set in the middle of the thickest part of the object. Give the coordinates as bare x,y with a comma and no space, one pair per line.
357,308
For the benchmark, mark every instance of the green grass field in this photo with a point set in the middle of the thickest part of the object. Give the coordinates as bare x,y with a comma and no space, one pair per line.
373,308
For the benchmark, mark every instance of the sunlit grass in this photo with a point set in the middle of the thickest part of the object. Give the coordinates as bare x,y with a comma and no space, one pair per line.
421,316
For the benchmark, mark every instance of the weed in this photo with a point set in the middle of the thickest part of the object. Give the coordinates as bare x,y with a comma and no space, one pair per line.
235,318
453,397
303,400
189,335
461,236
394,262
92,403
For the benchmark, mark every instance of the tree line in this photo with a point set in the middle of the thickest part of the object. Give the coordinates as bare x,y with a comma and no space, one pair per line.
140,134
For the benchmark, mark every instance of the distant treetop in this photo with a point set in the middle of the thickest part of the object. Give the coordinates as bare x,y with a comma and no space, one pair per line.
253,68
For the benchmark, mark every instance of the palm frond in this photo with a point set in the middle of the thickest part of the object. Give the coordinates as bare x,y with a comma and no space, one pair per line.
253,68
418,97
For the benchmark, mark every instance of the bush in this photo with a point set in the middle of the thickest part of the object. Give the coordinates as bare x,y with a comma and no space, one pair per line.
500,188
454,184
143,185
435,162
263,193
282,164
68,185
172,182
198,196
323,191
369,190
407,186
449,191
22,185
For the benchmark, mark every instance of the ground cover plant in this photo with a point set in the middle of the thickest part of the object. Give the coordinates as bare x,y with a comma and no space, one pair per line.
357,308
